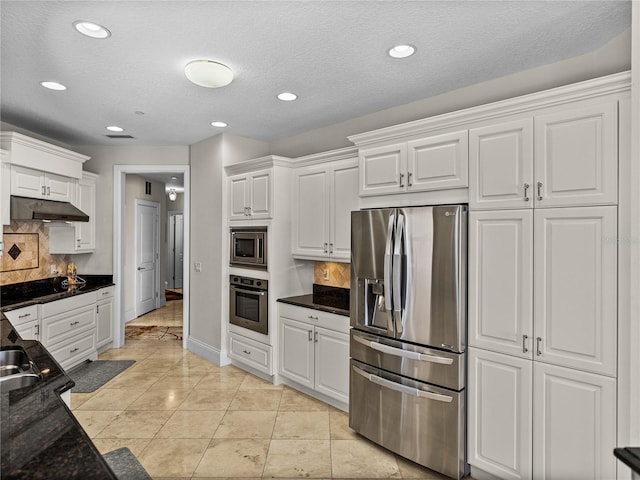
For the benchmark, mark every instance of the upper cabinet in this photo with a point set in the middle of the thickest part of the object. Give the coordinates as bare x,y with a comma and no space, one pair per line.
558,157
432,163
324,196
5,188
26,182
250,196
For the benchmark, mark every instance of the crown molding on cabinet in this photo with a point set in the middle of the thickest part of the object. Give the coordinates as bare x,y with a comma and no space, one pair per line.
610,84
258,163
8,139
324,157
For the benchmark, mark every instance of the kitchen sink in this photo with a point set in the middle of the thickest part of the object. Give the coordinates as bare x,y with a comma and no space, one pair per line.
16,369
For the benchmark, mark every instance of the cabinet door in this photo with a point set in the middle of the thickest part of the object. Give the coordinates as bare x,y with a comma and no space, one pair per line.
311,210
344,199
500,414
332,363
27,183
5,193
574,424
501,281
438,162
383,170
576,155
575,289
86,201
104,322
59,188
501,165
296,351
238,197
29,330
260,195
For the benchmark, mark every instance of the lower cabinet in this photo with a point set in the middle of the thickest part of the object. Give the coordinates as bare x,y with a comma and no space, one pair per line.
528,419
250,352
314,350
104,317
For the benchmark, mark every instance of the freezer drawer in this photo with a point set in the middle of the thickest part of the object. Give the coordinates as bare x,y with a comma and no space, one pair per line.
420,422
428,365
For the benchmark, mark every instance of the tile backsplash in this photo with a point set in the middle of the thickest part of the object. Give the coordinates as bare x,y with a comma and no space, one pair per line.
339,274
32,258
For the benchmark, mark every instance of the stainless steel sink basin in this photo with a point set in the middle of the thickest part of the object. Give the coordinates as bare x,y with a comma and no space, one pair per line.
16,369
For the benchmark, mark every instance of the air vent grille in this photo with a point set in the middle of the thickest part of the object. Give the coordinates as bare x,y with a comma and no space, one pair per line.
119,136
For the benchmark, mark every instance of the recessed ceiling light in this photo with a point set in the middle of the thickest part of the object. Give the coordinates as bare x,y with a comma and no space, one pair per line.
115,128
91,29
53,85
218,124
207,73
287,96
402,51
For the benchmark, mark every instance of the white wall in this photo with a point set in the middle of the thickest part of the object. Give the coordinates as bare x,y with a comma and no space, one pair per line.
135,189
613,57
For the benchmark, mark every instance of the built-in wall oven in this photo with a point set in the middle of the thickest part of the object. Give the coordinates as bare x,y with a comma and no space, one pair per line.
248,247
248,303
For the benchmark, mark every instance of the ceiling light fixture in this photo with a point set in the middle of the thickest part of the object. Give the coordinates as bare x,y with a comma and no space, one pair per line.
53,85
402,51
173,195
91,29
218,124
207,73
287,96
114,128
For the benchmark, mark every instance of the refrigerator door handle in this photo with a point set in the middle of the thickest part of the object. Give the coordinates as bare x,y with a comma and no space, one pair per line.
415,392
398,352
397,275
388,266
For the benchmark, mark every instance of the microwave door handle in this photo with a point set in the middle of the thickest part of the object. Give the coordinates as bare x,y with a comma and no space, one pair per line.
249,292
260,253
388,266
398,271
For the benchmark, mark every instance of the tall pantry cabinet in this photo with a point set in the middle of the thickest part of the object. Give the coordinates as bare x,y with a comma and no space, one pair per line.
543,270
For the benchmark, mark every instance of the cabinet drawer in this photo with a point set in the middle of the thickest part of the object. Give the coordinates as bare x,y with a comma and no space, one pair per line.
57,329
104,293
331,321
29,330
22,315
254,354
75,349
66,304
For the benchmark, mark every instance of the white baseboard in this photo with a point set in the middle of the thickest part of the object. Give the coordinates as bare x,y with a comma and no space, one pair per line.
208,352
130,315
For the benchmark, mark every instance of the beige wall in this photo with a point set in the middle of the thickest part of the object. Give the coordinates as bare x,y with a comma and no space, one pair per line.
135,190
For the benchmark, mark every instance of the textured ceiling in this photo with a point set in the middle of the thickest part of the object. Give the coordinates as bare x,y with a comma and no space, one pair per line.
331,53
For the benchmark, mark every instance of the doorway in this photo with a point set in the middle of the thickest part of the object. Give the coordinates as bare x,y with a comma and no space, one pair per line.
147,256
175,258
119,246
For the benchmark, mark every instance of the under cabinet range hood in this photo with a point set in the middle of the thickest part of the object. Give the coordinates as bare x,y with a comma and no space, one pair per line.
23,208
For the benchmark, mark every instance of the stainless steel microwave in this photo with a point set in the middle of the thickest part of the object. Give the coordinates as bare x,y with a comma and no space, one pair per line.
248,247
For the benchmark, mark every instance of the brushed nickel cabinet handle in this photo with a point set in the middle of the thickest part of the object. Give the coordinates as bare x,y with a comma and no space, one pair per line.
315,336
538,343
524,344
526,187
309,335
539,190
74,350
401,178
409,183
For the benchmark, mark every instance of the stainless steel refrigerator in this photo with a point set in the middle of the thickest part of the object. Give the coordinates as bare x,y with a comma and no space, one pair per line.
408,341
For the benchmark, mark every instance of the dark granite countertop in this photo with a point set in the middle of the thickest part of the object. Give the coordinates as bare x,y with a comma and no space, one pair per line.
23,294
40,437
326,299
630,456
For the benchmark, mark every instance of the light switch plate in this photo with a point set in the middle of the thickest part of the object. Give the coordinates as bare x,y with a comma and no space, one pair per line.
197,266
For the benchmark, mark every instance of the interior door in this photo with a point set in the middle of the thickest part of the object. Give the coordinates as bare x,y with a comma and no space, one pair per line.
147,216
176,249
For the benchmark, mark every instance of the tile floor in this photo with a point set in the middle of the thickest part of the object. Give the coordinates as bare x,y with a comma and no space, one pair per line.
170,315
184,417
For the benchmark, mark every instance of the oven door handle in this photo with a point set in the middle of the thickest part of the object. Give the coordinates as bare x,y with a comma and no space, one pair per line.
415,392
399,352
250,292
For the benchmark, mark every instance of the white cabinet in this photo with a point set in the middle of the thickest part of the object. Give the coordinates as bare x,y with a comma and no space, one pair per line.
324,197
26,321
314,351
250,196
26,182
532,420
574,424
78,237
558,157
69,329
434,163
563,260
104,316
254,354
5,191
500,414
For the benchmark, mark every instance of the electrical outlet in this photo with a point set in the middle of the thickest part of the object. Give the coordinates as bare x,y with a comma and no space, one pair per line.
198,266
54,269
325,274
